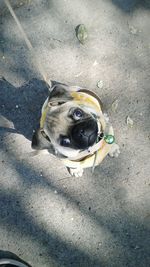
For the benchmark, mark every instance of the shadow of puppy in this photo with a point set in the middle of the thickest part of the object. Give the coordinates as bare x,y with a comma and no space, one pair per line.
130,5
22,106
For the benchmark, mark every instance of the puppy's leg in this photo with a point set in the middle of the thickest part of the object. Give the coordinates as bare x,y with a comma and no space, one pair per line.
115,151
75,172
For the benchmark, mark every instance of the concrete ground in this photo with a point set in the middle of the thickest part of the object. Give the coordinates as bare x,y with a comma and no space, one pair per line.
48,218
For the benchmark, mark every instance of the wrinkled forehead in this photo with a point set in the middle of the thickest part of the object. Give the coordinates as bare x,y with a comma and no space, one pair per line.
66,107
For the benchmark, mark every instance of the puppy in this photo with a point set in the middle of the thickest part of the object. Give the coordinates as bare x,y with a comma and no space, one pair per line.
74,128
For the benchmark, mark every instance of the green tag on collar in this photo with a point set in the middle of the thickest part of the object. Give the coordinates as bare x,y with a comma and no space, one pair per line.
109,139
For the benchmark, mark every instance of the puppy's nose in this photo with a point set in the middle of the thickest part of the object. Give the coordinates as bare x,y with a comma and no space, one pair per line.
84,134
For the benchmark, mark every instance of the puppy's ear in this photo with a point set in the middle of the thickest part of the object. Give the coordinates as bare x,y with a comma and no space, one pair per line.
59,95
39,141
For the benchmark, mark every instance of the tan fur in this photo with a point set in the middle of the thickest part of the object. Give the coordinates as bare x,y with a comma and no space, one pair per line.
55,122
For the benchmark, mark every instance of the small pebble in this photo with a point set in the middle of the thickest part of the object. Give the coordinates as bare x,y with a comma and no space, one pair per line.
129,121
17,106
114,105
79,74
133,30
95,63
100,84
55,192
136,247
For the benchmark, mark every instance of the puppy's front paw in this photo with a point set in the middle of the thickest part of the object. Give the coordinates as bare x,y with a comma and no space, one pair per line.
115,151
76,172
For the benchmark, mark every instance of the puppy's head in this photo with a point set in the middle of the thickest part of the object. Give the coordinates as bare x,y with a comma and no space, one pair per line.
69,126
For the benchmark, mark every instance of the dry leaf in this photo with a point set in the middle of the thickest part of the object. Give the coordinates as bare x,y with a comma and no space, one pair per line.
81,33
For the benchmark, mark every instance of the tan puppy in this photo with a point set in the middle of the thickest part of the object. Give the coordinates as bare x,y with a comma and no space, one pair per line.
74,128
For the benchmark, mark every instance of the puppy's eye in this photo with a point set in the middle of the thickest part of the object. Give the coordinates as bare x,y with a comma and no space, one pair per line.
64,141
77,114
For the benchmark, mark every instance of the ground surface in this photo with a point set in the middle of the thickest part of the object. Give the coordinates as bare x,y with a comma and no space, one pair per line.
47,217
